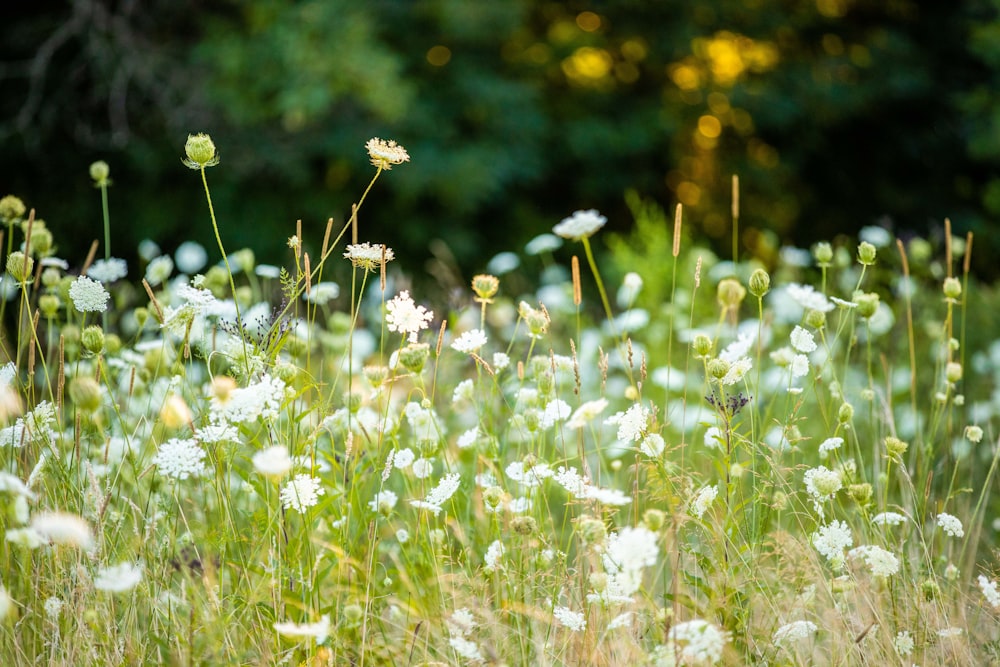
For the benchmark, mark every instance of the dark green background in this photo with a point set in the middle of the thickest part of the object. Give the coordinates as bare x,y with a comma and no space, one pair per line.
835,114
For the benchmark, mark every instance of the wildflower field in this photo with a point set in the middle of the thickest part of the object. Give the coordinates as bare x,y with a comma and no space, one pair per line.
608,450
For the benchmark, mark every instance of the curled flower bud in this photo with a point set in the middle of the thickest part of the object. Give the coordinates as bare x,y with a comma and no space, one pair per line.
702,345
19,266
867,304
99,171
93,339
866,253
845,413
952,288
823,253
485,286
11,209
760,283
730,294
953,372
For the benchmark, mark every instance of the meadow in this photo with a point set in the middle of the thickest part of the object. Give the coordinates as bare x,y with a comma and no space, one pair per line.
605,449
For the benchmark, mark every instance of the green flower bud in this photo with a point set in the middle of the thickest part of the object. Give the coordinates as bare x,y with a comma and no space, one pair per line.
930,589
920,251
217,281
654,519
414,356
353,614
760,283
866,253
717,368
141,316
532,419
591,530
51,277
85,393
537,319
41,242
493,496
867,304
974,433
296,347
200,151
953,372
353,400
71,334
546,383
952,288
860,493
523,525
702,345
99,171
243,260
598,581
93,339
112,344
816,319
376,375
20,267
730,294
11,209
895,447
485,287
286,372
846,413
823,253
49,304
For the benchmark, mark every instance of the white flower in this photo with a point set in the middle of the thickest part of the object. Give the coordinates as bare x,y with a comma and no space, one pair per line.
62,528
319,630
29,538
500,361
245,404
612,497
13,485
621,620
273,461
461,623
385,153
989,589
118,578
568,618
190,257
698,642
322,293
652,445
301,492
737,370
493,554
403,316
367,256
829,445
714,437
383,501
793,632
882,563
53,607
470,341
632,423
950,525
88,296
464,392
888,519
903,643
799,365
108,270
809,298
159,270
580,225
468,438
543,243
179,458
556,410
440,494
703,500
822,484
402,459
520,505
529,476
627,552
466,649
831,540
802,340
402,535
422,468
6,603
586,412
739,348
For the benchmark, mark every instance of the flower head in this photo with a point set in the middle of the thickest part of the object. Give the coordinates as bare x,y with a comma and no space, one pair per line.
301,493
470,341
88,295
200,151
273,461
384,154
119,578
406,317
180,459
950,524
580,225
369,257
108,270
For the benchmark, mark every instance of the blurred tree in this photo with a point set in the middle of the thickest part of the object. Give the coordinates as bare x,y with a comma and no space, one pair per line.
835,114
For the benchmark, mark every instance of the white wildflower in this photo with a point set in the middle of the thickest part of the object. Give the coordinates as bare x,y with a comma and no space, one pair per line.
369,257
118,578
586,412
794,632
802,340
405,317
108,270
319,630
179,458
470,341
737,370
322,293
950,525
698,642
422,468
440,494
989,589
493,554
385,153
62,528
273,461
501,360
191,257
568,618
244,404
403,458
831,540
159,270
301,493
88,296
383,501
581,225
807,297
652,445
903,643
703,500
888,519
468,438
632,423
829,445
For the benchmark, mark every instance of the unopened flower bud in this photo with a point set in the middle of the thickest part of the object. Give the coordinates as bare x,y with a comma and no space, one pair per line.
895,447
99,171
973,433
823,253
49,305
867,304
85,393
414,356
760,283
19,267
717,368
730,293
591,531
523,525
846,413
860,493
11,209
702,345
866,253
93,339
654,519
816,319
485,286
200,151
952,288
953,372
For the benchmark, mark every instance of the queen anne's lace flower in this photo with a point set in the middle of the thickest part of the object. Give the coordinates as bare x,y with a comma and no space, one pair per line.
108,270
888,519
180,459
587,412
950,524
404,316
301,493
118,578
580,225
632,423
368,256
319,630
703,500
88,296
831,540
244,404
273,461
802,340
440,494
385,153
493,555
470,341
794,632
989,589
698,642
568,618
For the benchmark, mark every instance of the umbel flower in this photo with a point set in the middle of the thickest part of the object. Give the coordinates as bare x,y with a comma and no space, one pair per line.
580,225
369,257
384,154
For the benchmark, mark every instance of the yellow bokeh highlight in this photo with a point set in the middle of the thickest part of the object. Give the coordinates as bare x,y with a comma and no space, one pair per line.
726,56
685,76
688,193
710,126
833,9
588,65
588,21
718,103
634,50
833,44
438,55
